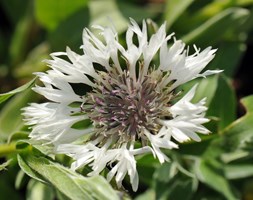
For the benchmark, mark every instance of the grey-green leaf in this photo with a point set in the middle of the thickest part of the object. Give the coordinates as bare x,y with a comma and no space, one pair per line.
39,191
71,184
23,165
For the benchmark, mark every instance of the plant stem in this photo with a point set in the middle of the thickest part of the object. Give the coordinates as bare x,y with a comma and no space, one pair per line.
6,149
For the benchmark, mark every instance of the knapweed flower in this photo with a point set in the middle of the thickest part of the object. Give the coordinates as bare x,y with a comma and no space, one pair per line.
129,100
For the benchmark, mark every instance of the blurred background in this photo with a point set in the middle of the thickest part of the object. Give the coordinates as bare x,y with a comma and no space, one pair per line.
31,29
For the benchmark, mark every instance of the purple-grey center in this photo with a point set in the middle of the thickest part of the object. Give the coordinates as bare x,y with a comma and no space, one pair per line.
119,106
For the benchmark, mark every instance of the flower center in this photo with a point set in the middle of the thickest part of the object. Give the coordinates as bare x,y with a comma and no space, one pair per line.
122,108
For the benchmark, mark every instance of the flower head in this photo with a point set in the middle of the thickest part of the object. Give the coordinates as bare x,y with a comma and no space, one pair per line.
131,100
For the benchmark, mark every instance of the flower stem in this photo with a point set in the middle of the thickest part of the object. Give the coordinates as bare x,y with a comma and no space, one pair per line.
6,149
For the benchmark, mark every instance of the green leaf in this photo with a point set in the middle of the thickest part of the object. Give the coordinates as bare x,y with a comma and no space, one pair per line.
147,195
51,13
44,149
179,187
174,8
20,39
39,191
33,62
244,2
146,167
238,133
217,26
182,189
166,172
10,116
100,8
71,184
232,50
20,179
239,171
6,189
138,13
117,13
30,172
5,96
211,83
61,196
72,27
248,104
211,173
223,104
172,181
5,164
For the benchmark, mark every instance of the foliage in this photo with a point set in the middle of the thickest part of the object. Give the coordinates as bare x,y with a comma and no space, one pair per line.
219,167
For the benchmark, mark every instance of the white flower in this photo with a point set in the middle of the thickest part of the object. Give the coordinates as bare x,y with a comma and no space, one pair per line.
127,101
186,118
52,123
98,158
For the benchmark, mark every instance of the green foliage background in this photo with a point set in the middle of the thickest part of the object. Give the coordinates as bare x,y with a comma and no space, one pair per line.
219,167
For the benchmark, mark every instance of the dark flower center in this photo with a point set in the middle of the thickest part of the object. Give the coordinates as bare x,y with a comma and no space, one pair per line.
122,108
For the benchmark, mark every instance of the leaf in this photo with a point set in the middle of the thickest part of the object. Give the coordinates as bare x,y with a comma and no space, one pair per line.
20,180
117,13
172,181
30,172
22,35
10,116
5,96
33,62
166,172
61,196
178,187
248,104
211,83
211,173
182,189
51,13
44,149
223,104
146,167
240,131
216,27
6,189
72,27
100,8
136,12
232,50
71,184
147,195
39,191
5,164
174,8
239,171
